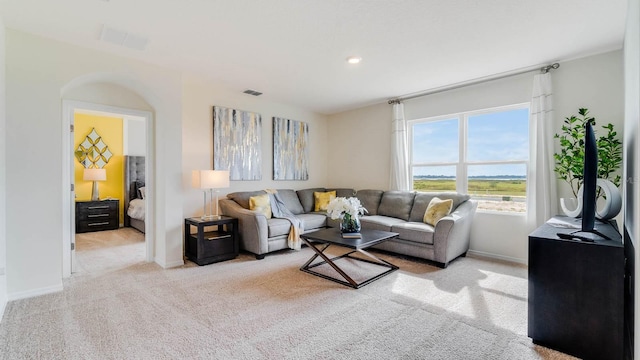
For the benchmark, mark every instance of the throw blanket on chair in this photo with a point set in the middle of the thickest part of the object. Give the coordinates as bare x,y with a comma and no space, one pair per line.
279,210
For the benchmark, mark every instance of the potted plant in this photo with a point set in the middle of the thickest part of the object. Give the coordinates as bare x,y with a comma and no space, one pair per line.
570,159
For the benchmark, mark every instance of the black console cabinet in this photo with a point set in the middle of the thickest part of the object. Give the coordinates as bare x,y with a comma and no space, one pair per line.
576,292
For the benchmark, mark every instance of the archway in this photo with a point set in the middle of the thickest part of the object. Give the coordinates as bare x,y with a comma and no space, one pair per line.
96,94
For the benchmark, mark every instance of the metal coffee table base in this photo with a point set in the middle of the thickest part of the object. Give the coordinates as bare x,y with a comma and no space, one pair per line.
348,281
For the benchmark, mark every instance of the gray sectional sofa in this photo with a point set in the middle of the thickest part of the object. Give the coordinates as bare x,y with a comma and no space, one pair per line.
395,211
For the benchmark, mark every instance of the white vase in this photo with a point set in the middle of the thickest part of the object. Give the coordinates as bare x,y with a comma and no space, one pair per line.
613,200
572,207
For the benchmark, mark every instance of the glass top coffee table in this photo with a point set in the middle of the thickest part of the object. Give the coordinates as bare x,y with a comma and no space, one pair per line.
320,241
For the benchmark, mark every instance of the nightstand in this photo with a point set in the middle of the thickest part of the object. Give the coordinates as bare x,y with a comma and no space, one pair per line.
214,240
97,215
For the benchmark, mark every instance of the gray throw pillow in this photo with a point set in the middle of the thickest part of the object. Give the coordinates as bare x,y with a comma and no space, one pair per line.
370,200
291,201
396,204
346,193
242,197
307,200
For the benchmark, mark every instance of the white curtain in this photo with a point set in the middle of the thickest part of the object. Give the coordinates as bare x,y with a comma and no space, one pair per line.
399,150
541,185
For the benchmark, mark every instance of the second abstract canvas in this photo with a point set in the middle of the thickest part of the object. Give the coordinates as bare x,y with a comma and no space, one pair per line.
290,149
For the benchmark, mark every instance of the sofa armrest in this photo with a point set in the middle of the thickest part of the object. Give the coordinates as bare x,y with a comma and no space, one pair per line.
252,226
452,233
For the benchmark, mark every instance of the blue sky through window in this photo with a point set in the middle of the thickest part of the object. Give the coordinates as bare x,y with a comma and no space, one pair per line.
497,136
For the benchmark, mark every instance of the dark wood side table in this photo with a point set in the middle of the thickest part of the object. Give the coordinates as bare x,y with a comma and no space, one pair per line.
214,240
576,292
97,215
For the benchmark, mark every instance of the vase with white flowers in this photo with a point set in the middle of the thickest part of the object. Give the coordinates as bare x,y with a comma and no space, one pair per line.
349,211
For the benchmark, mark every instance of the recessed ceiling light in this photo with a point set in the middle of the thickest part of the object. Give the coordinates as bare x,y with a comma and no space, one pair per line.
354,59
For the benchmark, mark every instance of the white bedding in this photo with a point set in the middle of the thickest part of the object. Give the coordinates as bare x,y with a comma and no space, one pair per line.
136,209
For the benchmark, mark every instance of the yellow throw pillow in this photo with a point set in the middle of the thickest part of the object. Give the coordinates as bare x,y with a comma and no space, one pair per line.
322,199
261,204
436,210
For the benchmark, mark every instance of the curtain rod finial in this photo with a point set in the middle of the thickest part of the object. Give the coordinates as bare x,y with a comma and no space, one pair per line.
546,69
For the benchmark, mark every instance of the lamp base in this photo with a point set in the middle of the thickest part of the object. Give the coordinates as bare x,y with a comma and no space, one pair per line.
95,193
211,217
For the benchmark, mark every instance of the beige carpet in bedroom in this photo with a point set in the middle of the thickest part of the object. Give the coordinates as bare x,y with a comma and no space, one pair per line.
101,251
269,309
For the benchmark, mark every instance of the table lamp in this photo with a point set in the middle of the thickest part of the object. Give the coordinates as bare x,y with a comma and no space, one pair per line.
220,180
203,179
95,175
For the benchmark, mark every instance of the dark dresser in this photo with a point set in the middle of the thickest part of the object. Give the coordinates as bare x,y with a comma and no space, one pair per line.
97,215
576,292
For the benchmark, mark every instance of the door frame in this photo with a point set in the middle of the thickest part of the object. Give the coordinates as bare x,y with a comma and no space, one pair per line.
69,108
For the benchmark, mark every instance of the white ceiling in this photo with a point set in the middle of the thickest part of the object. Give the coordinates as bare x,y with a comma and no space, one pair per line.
294,51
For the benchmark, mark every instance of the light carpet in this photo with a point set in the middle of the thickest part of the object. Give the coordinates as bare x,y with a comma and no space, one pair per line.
269,309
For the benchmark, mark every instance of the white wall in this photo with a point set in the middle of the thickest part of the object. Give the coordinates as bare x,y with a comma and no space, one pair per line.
3,168
359,152
39,71
631,148
114,95
199,97
359,148
135,137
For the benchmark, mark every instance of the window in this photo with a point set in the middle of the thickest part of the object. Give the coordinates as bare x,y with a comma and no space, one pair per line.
483,153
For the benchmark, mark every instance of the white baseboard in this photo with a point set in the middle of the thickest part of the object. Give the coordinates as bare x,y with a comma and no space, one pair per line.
498,257
34,292
3,305
170,264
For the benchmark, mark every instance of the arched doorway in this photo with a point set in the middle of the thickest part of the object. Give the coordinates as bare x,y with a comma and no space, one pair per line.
104,98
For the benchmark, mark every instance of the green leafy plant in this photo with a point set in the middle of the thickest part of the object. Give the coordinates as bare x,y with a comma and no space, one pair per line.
570,159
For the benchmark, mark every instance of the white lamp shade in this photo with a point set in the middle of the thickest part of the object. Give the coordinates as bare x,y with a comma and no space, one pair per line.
94,175
210,179
220,179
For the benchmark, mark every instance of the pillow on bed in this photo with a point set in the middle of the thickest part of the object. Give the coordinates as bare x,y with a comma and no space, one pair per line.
141,192
135,189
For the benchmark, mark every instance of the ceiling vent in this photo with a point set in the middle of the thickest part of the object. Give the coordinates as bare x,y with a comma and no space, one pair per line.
123,38
252,92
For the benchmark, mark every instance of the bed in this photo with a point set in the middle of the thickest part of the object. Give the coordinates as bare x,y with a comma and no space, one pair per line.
134,192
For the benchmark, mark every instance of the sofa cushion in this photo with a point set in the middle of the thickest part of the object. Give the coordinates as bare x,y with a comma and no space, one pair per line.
370,200
306,198
436,210
346,193
261,204
396,204
422,200
414,231
291,201
312,221
322,199
278,227
377,222
242,197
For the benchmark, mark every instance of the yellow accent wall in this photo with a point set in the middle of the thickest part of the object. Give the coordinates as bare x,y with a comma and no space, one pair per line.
110,129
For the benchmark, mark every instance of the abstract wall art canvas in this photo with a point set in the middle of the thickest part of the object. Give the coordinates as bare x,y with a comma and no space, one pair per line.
237,143
290,149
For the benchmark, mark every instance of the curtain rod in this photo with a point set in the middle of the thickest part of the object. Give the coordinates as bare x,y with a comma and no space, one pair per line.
544,69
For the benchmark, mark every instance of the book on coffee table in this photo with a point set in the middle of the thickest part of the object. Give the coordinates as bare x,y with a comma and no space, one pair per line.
351,236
